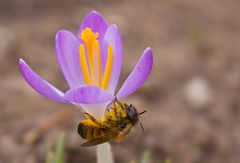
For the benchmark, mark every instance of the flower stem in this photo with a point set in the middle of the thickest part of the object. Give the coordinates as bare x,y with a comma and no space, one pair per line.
104,153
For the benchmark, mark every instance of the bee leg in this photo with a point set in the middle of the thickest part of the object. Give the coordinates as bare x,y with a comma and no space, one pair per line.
109,106
114,104
114,108
122,134
94,120
119,138
89,116
119,103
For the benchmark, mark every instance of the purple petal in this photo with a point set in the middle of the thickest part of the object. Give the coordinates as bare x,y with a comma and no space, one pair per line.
113,37
67,51
96,22
39,84
87,94
138,75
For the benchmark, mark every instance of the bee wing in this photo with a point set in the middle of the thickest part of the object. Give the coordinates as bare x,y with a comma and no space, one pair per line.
97,141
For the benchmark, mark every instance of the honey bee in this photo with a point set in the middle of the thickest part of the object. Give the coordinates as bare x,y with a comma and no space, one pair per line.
116,125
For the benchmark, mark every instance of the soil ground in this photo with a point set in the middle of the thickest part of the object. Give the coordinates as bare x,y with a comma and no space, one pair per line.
191,97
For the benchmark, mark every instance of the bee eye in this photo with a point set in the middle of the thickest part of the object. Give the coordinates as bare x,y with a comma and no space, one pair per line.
131,114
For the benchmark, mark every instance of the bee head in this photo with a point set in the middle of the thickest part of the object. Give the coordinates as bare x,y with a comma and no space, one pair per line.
132,114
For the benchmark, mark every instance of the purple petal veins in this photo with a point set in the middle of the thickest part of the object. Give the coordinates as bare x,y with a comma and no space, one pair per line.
67,52
138,75
91,98
87,94
96,22
39,84
113,37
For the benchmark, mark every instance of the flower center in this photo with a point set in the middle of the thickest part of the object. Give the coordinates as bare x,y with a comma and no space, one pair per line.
91,63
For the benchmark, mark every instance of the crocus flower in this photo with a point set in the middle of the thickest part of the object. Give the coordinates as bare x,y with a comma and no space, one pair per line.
91,63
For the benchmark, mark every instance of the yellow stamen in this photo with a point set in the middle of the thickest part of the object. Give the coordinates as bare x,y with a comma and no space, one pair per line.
92,68
89,37
90,60
83,64
97,52
108,68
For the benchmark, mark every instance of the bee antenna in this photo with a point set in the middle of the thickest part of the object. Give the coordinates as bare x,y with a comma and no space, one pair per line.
115,99
142,112
141,127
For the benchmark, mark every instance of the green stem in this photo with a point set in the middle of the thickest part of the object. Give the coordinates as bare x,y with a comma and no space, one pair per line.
104,153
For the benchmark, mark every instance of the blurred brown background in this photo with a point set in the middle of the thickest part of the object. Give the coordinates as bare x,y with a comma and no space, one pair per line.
192,95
